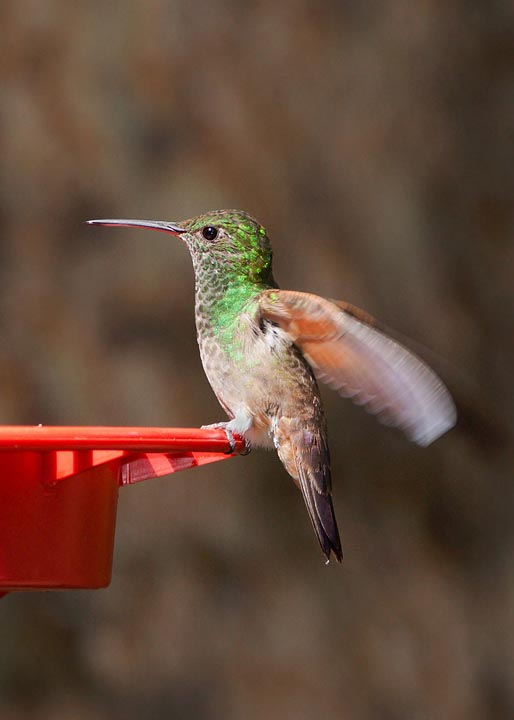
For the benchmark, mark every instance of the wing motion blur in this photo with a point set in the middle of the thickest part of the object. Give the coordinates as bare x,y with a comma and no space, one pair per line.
362,363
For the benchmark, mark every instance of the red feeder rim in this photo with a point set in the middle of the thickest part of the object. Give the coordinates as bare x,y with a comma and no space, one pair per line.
58,495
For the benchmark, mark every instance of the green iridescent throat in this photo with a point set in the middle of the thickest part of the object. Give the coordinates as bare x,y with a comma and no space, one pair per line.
229,296
230,306
231,270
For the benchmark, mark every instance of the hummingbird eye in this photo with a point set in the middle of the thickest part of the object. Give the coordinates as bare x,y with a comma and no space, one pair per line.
209,232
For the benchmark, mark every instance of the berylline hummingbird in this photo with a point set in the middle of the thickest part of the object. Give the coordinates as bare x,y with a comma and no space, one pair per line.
262,349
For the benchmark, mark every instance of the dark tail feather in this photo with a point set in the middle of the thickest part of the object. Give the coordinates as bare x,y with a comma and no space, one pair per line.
321,513
304,453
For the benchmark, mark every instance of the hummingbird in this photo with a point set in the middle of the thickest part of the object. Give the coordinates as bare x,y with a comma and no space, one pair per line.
263,350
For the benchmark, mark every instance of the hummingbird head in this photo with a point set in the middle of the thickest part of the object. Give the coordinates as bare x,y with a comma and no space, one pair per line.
224,243
230,242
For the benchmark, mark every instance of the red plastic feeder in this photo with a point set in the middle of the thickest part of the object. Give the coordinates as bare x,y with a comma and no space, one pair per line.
59,493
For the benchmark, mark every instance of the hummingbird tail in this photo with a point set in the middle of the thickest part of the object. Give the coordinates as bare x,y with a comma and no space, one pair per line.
304,454
321,513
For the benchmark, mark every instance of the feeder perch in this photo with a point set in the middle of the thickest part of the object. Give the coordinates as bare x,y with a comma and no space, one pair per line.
59,493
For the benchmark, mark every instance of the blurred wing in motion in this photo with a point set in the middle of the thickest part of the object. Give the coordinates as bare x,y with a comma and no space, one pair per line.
362,363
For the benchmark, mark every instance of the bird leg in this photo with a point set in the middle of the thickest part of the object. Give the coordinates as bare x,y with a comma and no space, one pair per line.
227,426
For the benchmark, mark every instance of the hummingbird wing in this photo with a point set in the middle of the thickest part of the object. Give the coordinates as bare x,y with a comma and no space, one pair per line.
306,458
362,363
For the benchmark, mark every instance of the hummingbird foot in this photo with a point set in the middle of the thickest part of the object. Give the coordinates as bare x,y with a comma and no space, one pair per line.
230,437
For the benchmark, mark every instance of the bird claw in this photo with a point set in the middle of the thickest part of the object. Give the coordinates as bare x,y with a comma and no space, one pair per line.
230,437
232,442
248,448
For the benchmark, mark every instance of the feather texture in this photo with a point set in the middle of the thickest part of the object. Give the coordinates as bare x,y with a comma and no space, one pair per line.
364,364
305,455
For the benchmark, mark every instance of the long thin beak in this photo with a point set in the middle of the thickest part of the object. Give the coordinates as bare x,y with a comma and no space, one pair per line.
163,226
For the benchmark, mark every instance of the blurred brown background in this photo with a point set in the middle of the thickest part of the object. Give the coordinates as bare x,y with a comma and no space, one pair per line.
375,142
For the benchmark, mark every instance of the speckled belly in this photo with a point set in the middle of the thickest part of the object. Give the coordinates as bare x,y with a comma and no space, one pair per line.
240,379
261,374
